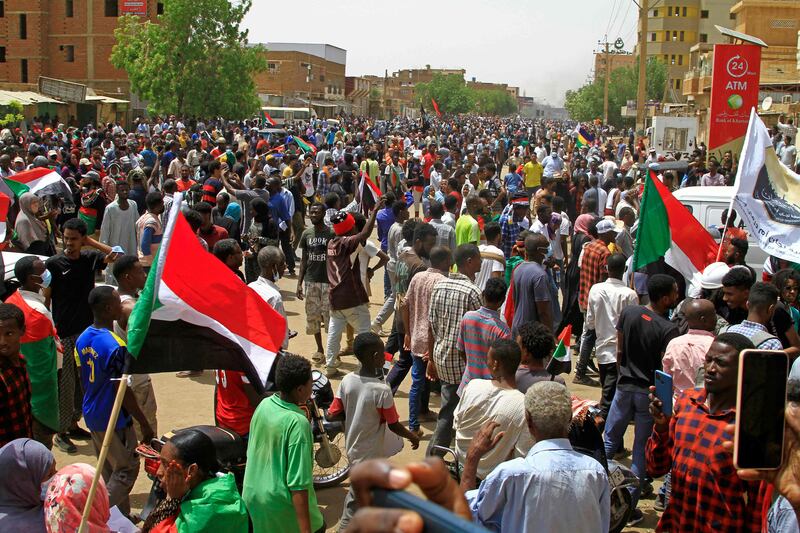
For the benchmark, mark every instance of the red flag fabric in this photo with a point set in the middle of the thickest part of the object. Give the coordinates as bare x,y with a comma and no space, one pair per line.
436,107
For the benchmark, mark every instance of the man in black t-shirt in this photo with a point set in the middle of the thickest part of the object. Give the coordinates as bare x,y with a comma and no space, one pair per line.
73,273
643,333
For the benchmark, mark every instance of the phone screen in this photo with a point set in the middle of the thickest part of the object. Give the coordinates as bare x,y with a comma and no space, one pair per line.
760,405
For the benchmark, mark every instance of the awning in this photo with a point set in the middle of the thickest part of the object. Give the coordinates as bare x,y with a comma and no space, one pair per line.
26,98
105,99
318,103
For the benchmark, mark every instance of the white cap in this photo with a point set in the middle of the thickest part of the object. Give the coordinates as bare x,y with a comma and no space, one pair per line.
605,226
713,274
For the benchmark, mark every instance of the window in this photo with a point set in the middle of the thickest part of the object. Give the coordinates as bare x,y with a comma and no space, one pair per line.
674,35
160,8
681,36
704,13
680,59
669,11
684,11
733,16
678,83
69,53
273,68
111,8
23,26
672,59
666,58
655,12
321,77
653,36
69,8
2,54
23,71
703,38
2,8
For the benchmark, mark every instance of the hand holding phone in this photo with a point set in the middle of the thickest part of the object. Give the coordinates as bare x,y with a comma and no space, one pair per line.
664,391
760,409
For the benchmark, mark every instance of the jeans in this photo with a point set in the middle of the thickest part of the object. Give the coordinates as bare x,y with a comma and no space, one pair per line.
387,283
399,371
419,394
629,406
443,434
357,316
588,338
608,379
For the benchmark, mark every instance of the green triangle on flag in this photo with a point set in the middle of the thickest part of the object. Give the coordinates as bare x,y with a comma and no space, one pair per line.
16,187
561,363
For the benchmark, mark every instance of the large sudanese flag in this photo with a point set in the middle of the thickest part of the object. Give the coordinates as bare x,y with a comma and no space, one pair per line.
34,180
196,314
667,229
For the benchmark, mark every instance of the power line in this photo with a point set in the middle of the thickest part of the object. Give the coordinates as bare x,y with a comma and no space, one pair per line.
622,21
611,15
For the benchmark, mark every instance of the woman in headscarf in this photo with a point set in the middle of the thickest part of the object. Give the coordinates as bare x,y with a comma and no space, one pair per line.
66,498
198,500
263,232
33,235
570,310
26,466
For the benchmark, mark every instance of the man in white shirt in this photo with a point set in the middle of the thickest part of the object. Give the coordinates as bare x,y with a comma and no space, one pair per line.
272,263
712,177
606,301
552,164
608,168
788,152
787,128
540,151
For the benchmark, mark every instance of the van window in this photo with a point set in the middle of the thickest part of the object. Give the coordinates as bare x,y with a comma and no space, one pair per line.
714,215
689,208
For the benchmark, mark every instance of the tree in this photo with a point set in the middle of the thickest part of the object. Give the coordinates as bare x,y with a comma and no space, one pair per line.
494,102
11,113
449,91
586,103
194,62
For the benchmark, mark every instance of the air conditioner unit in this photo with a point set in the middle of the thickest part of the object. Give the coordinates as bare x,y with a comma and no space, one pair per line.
786,99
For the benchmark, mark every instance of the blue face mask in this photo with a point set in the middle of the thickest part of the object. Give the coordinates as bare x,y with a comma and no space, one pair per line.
47,277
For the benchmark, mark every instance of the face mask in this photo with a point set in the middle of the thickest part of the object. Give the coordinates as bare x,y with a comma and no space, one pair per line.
47,277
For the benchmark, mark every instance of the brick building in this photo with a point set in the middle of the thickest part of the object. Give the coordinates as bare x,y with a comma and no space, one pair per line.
297,72
64,39
615,61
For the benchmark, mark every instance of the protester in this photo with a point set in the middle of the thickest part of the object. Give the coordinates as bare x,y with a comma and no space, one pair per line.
278,489
199,497
66,498
102,360
451,298
27,466
39,346
494,398
367,406
645,333
530,286
706,492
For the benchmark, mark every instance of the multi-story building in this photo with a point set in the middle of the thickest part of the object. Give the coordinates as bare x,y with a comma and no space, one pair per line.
775,22
303,74
64,39
399,97
615,60
357,90
673,28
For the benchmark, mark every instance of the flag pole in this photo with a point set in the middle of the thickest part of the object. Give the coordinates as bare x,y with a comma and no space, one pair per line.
101,460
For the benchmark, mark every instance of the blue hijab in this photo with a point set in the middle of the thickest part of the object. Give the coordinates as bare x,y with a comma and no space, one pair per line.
234,211
24,464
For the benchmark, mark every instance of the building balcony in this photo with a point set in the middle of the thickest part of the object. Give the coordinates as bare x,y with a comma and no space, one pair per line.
697,81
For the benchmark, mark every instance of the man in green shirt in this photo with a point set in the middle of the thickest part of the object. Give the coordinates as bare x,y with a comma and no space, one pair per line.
467,229
278,485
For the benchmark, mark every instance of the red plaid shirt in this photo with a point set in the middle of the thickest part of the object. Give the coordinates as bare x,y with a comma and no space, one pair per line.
15,398
595,256
707,495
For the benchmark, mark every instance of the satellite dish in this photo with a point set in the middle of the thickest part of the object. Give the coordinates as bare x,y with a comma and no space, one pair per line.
766,103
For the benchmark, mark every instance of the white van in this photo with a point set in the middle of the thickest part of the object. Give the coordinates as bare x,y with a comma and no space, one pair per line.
707,205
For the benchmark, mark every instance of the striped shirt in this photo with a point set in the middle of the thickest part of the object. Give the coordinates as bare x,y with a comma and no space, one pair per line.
479,329
450,300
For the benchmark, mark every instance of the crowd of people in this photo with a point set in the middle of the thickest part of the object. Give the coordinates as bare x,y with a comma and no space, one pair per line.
518,232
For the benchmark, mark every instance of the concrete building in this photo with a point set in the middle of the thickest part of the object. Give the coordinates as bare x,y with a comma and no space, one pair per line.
672,30
399,97
616,61
776,23
303,74
64,39
357,91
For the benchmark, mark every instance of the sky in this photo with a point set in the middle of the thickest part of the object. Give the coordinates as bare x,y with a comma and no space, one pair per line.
542,47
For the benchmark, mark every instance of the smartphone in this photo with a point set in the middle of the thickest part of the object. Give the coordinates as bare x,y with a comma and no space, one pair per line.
437,519
760,405
664,391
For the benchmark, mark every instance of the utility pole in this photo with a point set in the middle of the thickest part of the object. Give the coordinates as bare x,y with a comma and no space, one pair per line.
641,92
607,69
